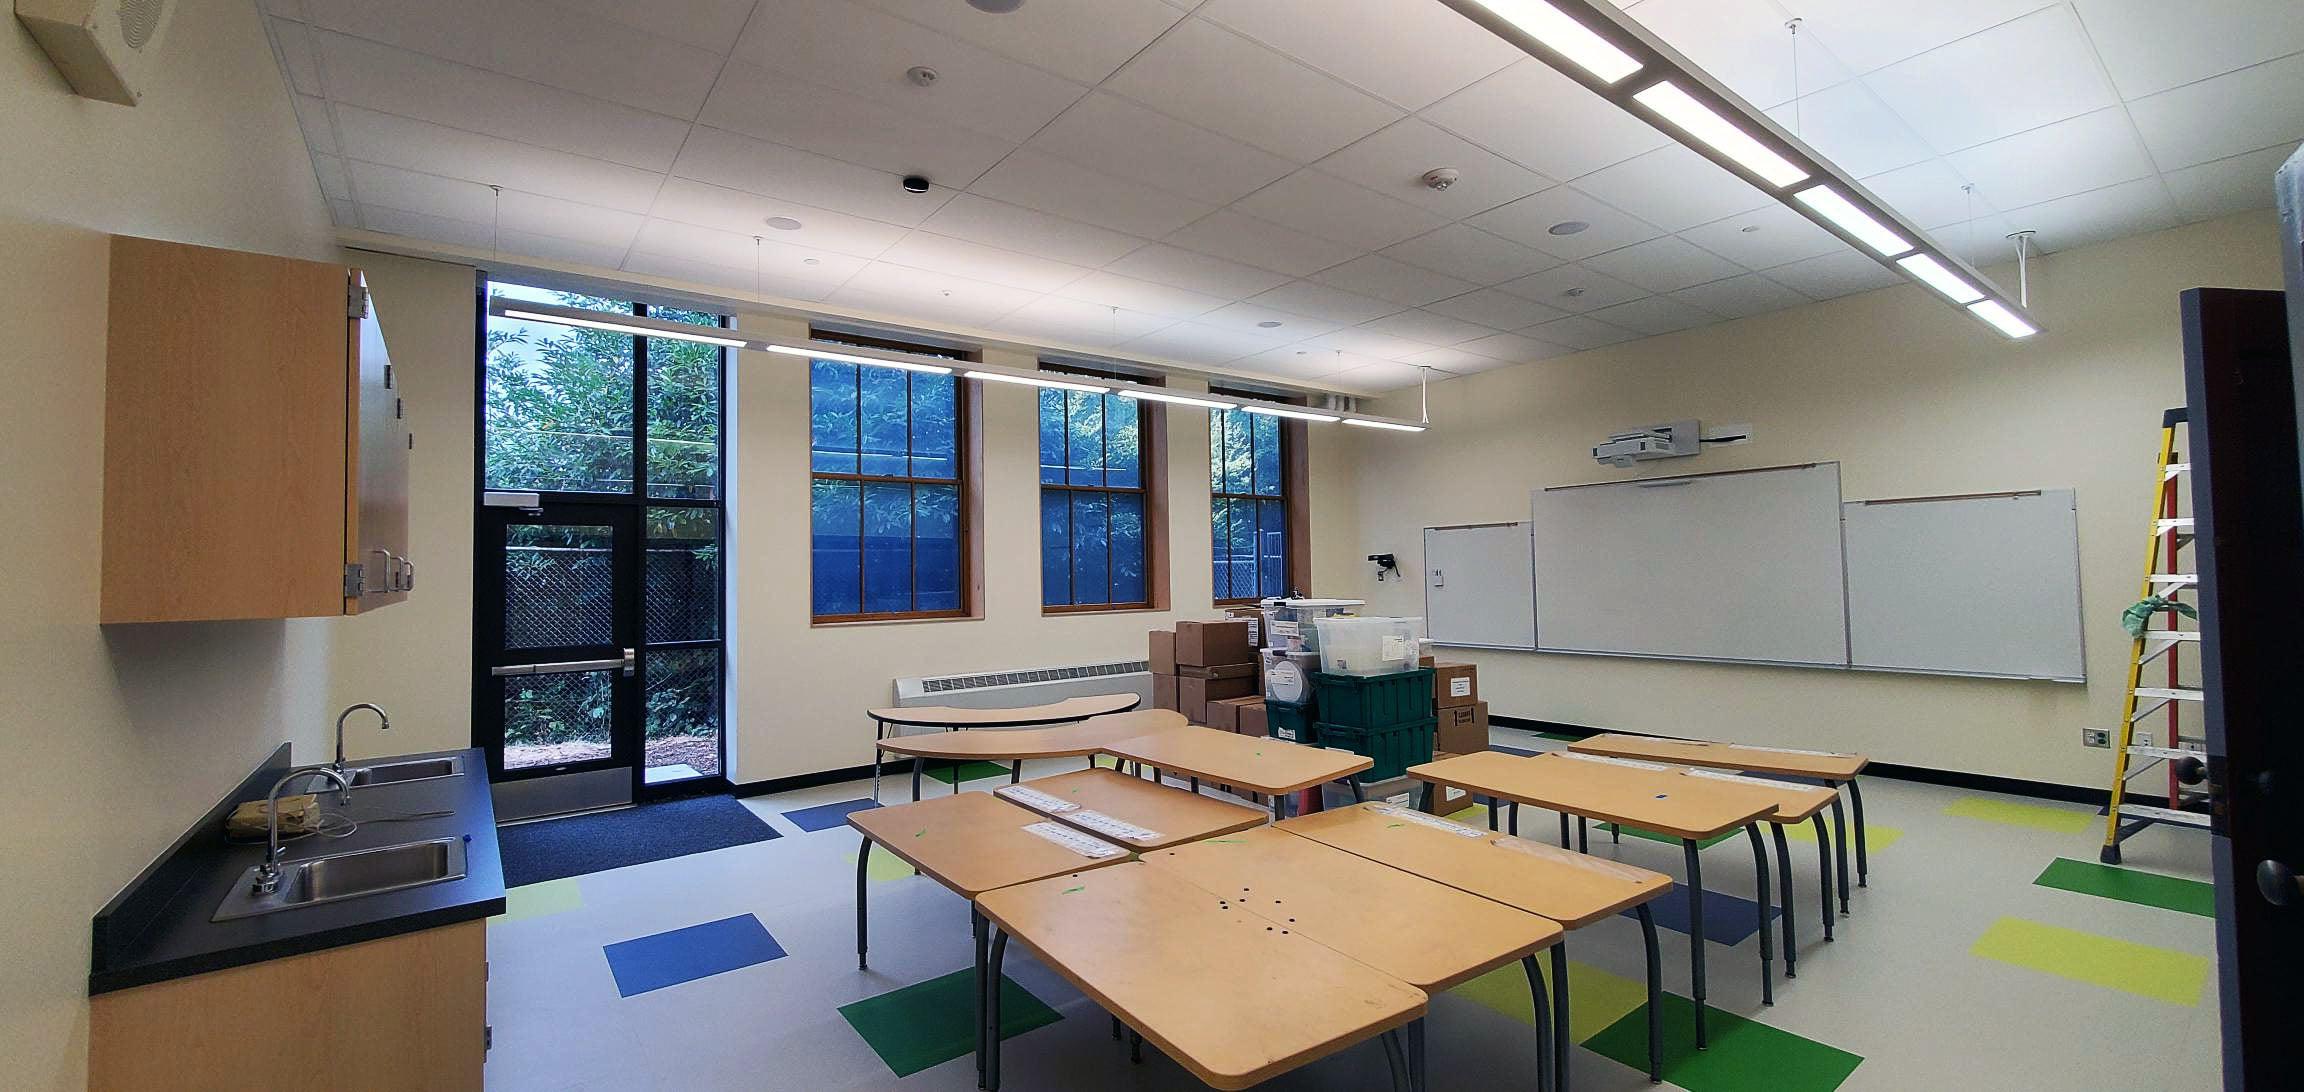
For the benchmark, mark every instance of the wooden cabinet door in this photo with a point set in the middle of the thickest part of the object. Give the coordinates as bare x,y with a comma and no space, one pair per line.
375,467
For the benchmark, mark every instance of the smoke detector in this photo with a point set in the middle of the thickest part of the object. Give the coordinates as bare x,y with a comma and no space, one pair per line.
1440,178
921,75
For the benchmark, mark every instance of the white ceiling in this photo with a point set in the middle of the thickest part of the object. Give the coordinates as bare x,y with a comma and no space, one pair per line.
1167,178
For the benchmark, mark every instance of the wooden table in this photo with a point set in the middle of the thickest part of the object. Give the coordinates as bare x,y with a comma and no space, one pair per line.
1166,958
1690,809
1173,815
970,843
945,716
1079,739
1429,935
1269,766
1570,888
1835,769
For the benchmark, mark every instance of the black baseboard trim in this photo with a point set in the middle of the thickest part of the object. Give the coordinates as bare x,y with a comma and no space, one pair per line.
2013,786
890,768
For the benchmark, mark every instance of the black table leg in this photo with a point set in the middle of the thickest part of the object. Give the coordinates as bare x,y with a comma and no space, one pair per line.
1494,806
917,763
1767,945
1135,1047
1513,826
1195,784
983,943
1583,835
1784,899
1563,830
1560,1036
992,1010
1688,849
1856,801
863,857
1824,870
879,732
1536,997
1412,1040
1655,997
1840,849
1359,794
1396,1058
1015,772
1426,796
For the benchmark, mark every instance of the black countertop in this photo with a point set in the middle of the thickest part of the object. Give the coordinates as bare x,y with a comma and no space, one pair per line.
159,928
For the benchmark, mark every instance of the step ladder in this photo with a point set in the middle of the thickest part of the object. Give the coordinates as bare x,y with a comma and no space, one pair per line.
2167,564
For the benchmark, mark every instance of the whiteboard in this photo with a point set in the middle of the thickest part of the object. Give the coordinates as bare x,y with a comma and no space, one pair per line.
1479,586
1744,565
1974,585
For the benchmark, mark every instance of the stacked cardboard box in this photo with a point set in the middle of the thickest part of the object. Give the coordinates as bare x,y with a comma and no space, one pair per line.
1242,715
1463,729
1444,800
1199,664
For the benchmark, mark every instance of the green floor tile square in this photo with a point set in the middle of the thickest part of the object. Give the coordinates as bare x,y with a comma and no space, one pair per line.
1471,815
2129,885
929,1023
2059,820
1668,839
1742,1055
1876,837
1596,998
965,772
885,866
538,899
2141,969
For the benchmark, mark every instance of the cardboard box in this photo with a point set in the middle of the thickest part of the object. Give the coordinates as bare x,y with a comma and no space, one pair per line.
1463,729
1193,695
1227,713
1254,616
1213,644
1425,660
1446,801
1219,671
1164,692
1162,652
1455,685
1249,721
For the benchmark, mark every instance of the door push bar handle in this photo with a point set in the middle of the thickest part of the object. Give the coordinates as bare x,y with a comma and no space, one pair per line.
629,664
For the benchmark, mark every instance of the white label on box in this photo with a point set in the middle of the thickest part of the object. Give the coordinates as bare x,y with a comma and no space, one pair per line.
1254,629
1460,687
1395,647
1287,629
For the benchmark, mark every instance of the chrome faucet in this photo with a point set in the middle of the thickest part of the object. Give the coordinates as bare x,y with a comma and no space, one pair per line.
385,724
268,873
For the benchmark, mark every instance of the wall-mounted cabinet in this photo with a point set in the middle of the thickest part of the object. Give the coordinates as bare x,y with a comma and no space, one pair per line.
255,452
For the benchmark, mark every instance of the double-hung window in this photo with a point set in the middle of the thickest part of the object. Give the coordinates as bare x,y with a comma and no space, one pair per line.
888,460
1100,501
1252,469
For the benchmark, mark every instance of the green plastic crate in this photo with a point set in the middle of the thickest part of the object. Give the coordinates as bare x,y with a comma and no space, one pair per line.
1394,749
1291,721
1374,701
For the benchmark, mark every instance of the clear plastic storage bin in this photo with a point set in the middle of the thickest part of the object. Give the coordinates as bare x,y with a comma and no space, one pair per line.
1368,646
1290,624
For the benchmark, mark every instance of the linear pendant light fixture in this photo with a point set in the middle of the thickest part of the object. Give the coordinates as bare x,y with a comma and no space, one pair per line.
1614,57
644,326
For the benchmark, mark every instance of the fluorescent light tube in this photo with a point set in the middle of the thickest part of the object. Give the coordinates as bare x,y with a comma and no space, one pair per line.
2002,319
1707,127
1395,426
1832,205
1178,399
1566,36
1035,381
1295,414
867,361
1933,273
615,326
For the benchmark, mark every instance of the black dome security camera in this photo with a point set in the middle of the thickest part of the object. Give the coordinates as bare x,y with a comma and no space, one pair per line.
915,183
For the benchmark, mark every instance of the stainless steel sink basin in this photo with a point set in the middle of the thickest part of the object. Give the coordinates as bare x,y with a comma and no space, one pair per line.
340,876
414,769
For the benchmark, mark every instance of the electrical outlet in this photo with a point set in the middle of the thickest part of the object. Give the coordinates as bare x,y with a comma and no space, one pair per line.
2095,737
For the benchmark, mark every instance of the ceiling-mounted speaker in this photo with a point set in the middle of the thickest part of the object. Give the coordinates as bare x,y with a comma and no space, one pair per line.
104,48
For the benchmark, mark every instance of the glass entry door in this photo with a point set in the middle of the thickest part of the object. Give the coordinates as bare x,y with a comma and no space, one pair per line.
557,637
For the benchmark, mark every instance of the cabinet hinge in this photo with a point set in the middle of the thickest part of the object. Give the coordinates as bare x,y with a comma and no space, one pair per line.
355,581
355,300
487,1036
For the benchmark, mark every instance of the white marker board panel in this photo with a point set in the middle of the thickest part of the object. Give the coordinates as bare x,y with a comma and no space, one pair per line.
1738,566
1479,585
1976,585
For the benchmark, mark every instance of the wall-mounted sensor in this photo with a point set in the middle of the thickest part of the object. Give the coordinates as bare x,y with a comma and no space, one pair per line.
921,75
914,183
1441,178
1386,564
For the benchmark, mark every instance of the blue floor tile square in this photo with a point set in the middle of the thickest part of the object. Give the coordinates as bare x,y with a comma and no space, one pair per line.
1727,919
827,816
684,955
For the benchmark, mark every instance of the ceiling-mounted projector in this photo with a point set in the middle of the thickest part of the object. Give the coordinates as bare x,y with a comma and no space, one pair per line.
1668,441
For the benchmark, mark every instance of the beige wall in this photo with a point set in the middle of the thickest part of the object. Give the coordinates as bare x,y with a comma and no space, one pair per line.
116,737
1912,399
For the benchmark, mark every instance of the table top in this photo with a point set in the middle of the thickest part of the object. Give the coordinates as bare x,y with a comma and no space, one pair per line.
1570,888
1257,763
1427,934
1174,815
1174,963
1725,756
1073,740
971,842
944,716
1794,803
1660,800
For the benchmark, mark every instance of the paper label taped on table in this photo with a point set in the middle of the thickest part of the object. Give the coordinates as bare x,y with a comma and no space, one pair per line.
1035,799
1075,841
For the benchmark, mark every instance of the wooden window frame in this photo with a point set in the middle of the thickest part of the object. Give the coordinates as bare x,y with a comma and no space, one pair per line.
1295,498
1152,454
967,424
